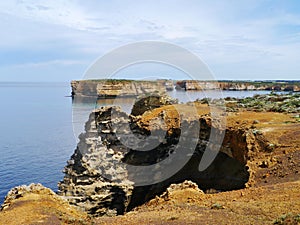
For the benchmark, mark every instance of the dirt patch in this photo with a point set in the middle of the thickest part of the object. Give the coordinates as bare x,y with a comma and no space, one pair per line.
43,207
190,206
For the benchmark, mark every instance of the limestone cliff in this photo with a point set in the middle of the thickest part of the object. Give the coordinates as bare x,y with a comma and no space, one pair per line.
124,88
98,177
106,174
129,88
239,85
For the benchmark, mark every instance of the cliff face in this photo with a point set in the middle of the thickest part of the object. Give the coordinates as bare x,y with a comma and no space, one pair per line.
128,88
238,86
113,88
98,177
86,182
107,174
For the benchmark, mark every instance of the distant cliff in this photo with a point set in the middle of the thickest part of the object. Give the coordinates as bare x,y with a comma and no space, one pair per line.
239,85
130,88
113,88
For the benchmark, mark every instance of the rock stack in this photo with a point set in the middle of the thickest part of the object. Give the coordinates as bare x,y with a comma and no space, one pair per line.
94,177
108,173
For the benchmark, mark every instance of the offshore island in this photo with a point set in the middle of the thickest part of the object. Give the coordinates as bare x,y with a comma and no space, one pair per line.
254,178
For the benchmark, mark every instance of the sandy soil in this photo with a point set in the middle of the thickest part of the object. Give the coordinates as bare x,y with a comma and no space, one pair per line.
189,206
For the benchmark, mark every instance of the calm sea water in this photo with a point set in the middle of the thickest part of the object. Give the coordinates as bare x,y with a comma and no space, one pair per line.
37,135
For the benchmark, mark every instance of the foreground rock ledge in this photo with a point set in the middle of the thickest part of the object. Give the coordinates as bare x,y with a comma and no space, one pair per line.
36,204
180,204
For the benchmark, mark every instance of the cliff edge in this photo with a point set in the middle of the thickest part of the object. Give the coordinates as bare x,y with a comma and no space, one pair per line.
254,179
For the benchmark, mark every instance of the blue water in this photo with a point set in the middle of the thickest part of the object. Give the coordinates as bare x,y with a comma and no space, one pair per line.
36,137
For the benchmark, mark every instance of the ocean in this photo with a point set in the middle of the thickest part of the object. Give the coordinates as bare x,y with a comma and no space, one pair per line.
37,136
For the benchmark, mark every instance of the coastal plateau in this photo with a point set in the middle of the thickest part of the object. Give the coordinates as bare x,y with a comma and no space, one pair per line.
254,178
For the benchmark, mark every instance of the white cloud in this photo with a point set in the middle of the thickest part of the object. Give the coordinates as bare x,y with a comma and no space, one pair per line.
225,35
53,12
52,63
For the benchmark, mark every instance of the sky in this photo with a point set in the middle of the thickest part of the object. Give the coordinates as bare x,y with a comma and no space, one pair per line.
58,40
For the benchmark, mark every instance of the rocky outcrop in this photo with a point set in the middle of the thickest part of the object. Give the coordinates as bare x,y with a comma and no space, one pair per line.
36,204
21,191
100,180
147,103
105,175
129,88
95,179
239,85
120,88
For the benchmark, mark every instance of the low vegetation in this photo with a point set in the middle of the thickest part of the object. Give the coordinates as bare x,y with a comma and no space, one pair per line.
286,103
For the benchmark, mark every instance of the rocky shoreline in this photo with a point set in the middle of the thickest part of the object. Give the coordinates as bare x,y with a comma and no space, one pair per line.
97,175
292,86
121,88
130,88
260,147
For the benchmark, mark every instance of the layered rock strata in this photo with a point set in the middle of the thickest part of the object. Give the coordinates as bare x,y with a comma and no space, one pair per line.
120,88
238,85
130,88
106,174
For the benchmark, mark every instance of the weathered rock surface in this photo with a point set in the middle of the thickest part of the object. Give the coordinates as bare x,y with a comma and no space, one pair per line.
128,88
273,204
97,182
95,179
239,85
36,204
20,191
186,185
120,88
99,179
181,203
147,103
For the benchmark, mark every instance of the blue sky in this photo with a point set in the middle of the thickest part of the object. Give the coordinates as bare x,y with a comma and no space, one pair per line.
58,40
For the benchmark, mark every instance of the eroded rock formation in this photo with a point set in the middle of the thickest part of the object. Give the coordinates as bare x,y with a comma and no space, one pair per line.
122,88
129,88
36,204
106,176
239,85
146,103
21,191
